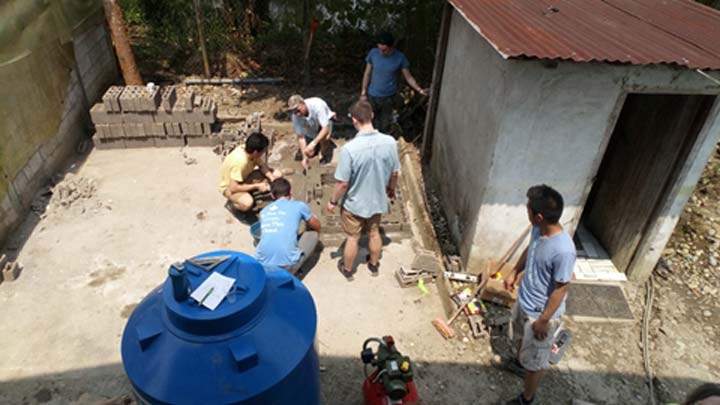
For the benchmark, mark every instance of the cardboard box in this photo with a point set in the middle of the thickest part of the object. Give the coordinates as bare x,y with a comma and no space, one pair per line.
495,291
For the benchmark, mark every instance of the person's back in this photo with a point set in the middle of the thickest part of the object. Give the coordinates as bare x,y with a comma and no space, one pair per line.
366,175
372,157
279,224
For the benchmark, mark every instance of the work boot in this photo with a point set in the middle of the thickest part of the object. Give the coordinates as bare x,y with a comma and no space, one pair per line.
298,156
374,268
347,274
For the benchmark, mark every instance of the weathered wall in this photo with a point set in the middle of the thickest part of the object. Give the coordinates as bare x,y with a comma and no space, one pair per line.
536,122
466,127
96,62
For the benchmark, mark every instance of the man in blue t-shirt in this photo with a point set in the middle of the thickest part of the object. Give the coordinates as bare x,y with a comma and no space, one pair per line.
548,264
380,80
280,244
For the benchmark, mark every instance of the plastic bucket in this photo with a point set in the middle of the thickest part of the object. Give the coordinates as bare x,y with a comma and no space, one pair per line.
255,232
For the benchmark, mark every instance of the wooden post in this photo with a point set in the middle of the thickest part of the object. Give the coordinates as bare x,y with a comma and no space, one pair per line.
124,53
201,37
440,51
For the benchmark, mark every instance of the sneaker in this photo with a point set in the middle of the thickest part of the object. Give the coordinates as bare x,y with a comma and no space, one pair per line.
347,274
298,156
519,400
374,268
509,364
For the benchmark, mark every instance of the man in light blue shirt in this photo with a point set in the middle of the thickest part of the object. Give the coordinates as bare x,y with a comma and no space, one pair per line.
279,222
366,176
380,80
548,264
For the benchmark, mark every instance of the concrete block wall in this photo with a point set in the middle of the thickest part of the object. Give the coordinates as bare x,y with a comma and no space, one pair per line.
98,69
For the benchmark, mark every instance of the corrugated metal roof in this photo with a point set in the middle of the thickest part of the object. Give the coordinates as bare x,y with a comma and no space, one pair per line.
639,32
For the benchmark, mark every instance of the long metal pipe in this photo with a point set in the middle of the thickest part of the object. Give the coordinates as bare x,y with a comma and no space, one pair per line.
270,80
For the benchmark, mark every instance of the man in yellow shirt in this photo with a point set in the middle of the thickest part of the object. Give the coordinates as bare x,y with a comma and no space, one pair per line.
244,172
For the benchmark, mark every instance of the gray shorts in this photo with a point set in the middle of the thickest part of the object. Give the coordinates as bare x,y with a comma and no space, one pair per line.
532,353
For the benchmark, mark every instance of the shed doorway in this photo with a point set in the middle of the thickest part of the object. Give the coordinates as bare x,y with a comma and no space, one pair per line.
652,139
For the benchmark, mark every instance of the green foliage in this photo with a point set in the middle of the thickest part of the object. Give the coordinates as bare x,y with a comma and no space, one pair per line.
274,37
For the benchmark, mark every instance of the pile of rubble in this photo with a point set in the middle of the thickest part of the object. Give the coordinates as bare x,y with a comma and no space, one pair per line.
72,189
148,116
692,255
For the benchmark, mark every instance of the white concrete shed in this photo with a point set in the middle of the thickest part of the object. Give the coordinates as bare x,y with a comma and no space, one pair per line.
611,102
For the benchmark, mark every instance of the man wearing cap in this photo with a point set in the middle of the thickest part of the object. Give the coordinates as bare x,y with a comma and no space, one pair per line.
380,80
313,123
366,174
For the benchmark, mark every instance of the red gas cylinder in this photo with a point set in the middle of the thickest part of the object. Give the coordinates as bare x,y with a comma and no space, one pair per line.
375,394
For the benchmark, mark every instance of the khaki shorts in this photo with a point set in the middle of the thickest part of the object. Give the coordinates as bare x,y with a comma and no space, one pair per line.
532,353
353,225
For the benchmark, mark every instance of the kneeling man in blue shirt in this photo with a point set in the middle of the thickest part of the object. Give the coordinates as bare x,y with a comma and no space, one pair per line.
280,245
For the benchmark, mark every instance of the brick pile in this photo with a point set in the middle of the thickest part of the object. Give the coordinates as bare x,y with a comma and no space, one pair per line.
138,117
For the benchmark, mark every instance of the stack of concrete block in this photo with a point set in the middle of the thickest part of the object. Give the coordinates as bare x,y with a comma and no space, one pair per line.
136,116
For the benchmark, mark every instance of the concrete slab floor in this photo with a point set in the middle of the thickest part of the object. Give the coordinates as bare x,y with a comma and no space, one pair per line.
87,266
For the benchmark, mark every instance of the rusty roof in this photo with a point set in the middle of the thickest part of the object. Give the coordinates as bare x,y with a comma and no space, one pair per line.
639,32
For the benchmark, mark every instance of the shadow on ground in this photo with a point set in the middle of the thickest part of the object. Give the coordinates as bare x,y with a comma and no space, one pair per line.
341,382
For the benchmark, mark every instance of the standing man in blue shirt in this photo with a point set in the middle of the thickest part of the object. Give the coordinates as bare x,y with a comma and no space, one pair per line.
366,175
548,264
279,222
380,80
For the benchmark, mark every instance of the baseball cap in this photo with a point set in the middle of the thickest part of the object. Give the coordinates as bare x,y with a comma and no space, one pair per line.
294,101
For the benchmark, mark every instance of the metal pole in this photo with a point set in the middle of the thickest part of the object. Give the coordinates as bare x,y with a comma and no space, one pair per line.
124,53
201,37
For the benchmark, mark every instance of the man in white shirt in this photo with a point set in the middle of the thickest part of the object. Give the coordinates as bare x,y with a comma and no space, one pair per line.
313,123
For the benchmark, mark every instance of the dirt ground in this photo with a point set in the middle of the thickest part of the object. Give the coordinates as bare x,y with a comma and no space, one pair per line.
89,262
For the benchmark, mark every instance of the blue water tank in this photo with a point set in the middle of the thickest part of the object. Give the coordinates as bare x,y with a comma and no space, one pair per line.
256,347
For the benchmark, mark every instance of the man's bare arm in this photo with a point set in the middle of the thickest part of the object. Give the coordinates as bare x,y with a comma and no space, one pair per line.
411,81
314,223
366,80
392,184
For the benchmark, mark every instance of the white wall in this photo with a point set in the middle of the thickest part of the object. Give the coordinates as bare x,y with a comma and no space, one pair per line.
505,125
470,103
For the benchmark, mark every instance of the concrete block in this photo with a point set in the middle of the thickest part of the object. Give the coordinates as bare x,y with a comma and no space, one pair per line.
165,116
3,261
129,97
109,143
100,115
111,99
185,98
176,129
198,141
102,131
11,271
148,142
188,128
130,130
154,129
116,131
168,97
137,117
169,141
